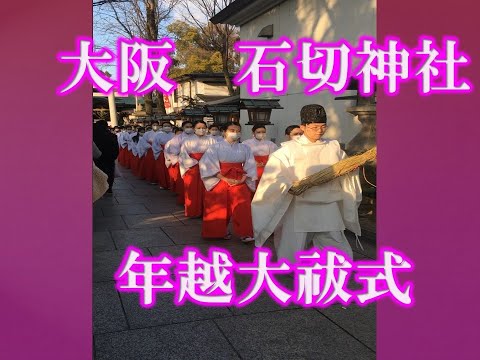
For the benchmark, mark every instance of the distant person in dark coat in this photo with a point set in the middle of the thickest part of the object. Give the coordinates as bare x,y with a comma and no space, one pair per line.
107,143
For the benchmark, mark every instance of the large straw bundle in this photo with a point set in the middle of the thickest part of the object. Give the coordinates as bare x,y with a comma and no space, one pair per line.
100,183
341,168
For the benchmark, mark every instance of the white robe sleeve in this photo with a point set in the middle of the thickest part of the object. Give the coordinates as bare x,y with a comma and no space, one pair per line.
272,147
271,199
209,167
186,162
352,197
250,167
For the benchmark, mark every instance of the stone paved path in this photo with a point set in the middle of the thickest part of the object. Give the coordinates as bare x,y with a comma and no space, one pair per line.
142,215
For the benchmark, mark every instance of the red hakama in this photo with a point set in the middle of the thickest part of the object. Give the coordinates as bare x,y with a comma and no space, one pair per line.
121,156
149,167
161,170
179,186
263,159
194,189
225,202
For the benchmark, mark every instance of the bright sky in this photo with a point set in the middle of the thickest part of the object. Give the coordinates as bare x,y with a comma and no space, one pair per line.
105,40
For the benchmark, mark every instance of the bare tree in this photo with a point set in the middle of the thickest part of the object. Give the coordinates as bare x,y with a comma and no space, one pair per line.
134,18
217,37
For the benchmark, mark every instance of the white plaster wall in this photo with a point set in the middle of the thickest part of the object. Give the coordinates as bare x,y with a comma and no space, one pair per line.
220,90
322,21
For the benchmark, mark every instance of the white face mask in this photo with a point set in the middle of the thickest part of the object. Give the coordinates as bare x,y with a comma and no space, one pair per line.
141,134
200,132
260,136
296,137
214,132
188,131
233,136
167,129
155,127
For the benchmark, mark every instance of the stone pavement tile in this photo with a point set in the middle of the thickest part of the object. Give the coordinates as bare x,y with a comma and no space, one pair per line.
121,186
97,212
102,241
180,215
264,302
151,220
123,192
177,250
166,312
106,200
153,191
108,223
140,238
108,315
182,235
291,334
130,209
133,199
199,340
141,184
357,320
106,263
162,206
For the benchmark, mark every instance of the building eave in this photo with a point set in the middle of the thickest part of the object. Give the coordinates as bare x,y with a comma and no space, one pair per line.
241,12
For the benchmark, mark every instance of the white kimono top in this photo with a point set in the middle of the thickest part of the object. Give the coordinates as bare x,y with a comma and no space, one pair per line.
191,145
317,209
230,153
130,141
218,138
122,139
172,148
142,146
160,138
149,135
261,147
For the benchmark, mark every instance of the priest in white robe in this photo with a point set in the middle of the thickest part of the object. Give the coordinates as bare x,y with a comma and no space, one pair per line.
320,215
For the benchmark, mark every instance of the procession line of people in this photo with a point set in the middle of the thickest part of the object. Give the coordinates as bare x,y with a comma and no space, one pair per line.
220,179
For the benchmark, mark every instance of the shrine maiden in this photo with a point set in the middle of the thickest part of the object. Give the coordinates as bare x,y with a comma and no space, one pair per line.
129,137
321,214
158,146
174,152
214,131
149,163
292,132
229,172
191,152
171,162
261,148
122,142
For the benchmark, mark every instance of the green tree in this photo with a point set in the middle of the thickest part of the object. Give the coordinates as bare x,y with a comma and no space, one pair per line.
190,56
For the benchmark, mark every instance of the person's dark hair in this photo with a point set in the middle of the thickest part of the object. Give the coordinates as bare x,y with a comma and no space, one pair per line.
313,113
177,129
290,128
214,125
232,123
258,126
155,122
166,122
102,124
187,122
199,122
